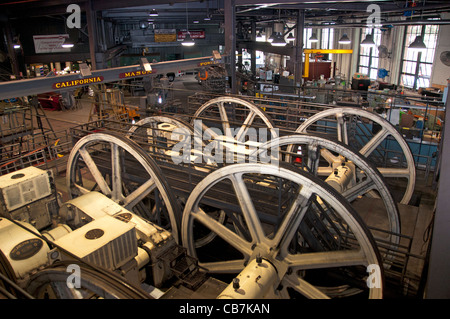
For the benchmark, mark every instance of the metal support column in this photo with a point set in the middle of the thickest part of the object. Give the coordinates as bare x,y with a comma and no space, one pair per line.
298,58
230,40
91,17
11,52
253,51
438,284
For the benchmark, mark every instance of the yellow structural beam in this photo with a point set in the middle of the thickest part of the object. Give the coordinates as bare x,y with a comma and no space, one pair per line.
307,52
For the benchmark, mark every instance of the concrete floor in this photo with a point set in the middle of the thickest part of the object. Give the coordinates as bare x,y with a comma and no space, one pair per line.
415,219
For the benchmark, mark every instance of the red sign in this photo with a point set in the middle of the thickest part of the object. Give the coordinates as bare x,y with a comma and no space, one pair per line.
195,34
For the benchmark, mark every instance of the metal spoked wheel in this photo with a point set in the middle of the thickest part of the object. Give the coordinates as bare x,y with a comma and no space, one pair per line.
159,134
290,218
120,169
233,117
52,283
371,135
350,174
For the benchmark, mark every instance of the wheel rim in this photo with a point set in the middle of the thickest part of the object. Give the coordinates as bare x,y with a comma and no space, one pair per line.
370,177
220,108
372,144
128,187
276,247
52,282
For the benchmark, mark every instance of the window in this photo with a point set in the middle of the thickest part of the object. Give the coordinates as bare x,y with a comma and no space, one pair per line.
327,41
368,56
417,66
307,32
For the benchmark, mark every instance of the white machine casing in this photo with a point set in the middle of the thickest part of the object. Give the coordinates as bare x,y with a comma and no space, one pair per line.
25,252
107,242
28,195
23,187
154,240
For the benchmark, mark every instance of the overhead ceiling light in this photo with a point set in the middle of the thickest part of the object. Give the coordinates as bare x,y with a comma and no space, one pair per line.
344,39
188,41
153,13
418,44
207,18
143,24
67,44
313,38
368,41
16,46
290,37
196,21
278,40
260,37
272,37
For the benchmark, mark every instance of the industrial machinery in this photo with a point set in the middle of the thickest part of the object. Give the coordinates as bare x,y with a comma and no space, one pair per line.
278,219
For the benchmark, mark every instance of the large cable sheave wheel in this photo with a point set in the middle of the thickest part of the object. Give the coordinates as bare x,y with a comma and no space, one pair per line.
120,169
371,135
57,282
347,171
233,117
306,230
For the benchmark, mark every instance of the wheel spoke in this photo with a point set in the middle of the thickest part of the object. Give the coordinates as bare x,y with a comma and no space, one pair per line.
139,194
226,234
224,267
248,209
81,189
395,172
98,177
329,259
116,175
328,156
342,128
303,287
374,142
244,128
313,157
224,119
292,220
359,189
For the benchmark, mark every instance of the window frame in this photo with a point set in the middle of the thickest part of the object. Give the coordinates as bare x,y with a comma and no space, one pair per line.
418,61
373,53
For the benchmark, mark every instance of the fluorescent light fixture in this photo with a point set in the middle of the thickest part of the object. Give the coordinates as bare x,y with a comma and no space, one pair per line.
207,18
418,44
313,38
344,39
195,21
260,37
278,40
368,41
67,45
153,13
16,46
188,41
290,37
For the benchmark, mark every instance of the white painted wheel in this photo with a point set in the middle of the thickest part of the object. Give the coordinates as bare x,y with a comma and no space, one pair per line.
315,231
350,126
123,171
233,117
323,157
